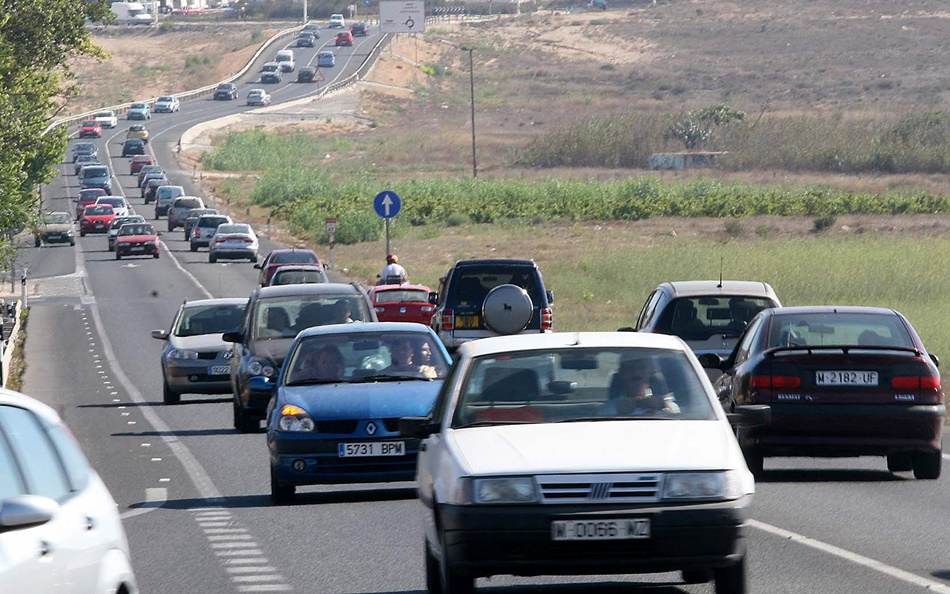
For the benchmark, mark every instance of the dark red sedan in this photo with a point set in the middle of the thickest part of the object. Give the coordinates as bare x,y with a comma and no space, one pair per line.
841,382
402,303
96,218
282,257
137,239
88,196
90,129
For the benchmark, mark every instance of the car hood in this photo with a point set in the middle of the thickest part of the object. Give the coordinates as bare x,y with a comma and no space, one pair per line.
382,400
135,238
99,217
201,342
56,227
604,446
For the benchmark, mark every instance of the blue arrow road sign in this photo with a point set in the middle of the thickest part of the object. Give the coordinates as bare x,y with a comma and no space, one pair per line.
387,204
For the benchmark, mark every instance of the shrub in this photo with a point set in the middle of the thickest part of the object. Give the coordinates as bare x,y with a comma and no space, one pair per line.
823,223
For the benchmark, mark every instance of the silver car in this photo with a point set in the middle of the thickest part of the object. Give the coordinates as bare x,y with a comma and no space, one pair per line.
204,228
61,528
179,207
196,360
295,275
233,241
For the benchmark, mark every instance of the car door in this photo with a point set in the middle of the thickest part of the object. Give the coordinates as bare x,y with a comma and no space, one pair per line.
65,550
727,384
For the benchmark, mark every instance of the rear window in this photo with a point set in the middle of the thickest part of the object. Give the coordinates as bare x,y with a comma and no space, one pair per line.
188,203
296,257
838,329
401,296
206,221
229,228
472,283
701,317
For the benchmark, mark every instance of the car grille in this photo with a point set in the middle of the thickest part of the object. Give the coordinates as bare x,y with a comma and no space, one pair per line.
608,488
348,427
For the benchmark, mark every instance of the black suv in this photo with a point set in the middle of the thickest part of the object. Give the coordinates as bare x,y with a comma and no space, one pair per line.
491,297
226,91
273,317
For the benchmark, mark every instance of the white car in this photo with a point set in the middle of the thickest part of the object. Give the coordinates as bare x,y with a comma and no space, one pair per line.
233,241
337,22
61,531
585,453
119,204
106,119
166,104
258,97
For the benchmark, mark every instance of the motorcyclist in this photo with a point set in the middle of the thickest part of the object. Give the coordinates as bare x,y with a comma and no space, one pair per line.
392,273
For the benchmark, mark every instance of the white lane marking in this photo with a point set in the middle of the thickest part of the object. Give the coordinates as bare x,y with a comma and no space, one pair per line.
264,588
155,497
894,572
946,456
185,272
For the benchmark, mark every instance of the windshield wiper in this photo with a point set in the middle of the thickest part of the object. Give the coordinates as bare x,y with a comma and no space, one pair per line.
314,382
615,418
490,423
389,378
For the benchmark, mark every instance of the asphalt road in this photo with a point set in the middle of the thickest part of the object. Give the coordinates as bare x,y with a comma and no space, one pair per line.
195,494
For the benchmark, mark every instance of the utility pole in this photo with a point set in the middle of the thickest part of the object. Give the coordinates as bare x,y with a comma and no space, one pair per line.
471,75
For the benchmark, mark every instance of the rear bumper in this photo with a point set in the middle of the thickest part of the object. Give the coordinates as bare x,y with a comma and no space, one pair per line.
825,430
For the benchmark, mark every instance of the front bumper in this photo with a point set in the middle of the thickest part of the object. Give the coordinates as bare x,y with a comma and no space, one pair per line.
194,377
140,250
57,237
491,540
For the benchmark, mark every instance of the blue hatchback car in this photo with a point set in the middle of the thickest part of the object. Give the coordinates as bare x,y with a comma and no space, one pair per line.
326,59
139,111
340,395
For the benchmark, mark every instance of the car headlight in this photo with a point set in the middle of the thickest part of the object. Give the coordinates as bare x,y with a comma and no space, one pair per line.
703,485
182,354
261,367
294,418
515,489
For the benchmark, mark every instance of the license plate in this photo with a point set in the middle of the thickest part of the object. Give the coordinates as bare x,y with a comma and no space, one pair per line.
638,528
372,448
846,378
466,321
138,249
219,370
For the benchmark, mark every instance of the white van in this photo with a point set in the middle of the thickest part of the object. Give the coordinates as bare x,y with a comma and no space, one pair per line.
164,197
286,60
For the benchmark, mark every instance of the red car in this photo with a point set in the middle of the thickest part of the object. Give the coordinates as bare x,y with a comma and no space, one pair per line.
139,161
90,129
86,197
344,38
96,219
137,239
281,257
841,382
402,303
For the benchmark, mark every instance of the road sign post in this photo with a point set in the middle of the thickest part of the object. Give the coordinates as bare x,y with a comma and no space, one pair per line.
331,231
387,204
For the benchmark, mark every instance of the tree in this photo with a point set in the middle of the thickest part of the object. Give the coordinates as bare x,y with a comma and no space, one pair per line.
697,127
38,40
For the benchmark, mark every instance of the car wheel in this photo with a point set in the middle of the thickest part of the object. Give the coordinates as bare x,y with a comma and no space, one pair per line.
253,259
755,461
72,242
169,396
900,462
157,254
433,579
212,258
927,465
187,235
170,226
111,248
697,576
82,234
279,494
194,248
243,421
37,242
453,582
731,579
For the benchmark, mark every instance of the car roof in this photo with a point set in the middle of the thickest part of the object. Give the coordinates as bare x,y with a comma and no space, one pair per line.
215,301
297,268
308,289
385,288
495,261
373,327
559,340
826,309
714,287
9,397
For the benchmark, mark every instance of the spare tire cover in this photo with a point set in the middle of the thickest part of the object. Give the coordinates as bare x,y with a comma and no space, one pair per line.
507,309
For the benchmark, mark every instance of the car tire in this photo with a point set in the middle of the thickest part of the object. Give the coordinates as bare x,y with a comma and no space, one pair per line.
170,226
731,579
169,396
157,255
253,259
111,248
82,234
507,309
243,421
118,256
72,242
433,579
755,461
927,465
280,494
194,248
37,242
212,258
697,576
900,462
453,582
187,235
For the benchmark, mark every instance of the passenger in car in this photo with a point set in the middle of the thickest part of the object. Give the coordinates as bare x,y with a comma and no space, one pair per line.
402,360
277,321
326,363
631,393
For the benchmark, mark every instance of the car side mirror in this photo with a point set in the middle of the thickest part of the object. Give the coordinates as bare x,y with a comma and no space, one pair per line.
233,336
26,511
550,295
420,427
750,415
260,383
710,361
935,359
434,297
160,334
258,266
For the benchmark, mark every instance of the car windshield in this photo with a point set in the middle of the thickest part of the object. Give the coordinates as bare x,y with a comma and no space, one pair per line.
246,229
225,87
138,106
96,172
115,202
209,319
581,384
166,99
702,317
90,123
285,316
297,277
99,210
57,218
401,296
119,221
295,257
365,357
105,114
838,329
83,146
136,229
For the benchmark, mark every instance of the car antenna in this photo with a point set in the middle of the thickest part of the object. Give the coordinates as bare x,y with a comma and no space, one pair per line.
719,286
